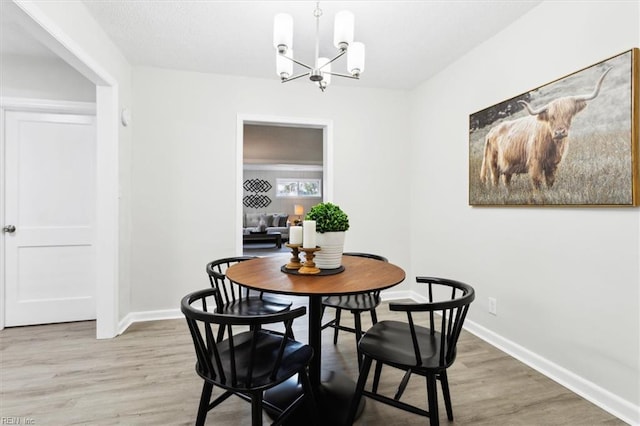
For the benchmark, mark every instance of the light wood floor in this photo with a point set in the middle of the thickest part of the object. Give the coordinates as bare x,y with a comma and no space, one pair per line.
61,375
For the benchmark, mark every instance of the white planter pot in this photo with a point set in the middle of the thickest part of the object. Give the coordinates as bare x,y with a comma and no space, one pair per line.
331,247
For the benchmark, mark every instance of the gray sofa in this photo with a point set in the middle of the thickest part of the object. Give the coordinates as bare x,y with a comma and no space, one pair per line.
274,222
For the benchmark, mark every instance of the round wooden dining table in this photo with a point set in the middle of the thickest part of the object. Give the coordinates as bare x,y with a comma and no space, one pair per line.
333,392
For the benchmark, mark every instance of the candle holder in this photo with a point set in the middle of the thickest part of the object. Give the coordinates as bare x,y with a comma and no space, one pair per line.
309,266
294,262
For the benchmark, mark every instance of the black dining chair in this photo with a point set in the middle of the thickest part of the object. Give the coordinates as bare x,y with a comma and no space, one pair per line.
426,351
232,299
356,304
247,363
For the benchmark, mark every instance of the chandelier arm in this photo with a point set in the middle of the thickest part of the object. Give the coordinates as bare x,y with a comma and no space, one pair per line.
295,77
338,56
297,62
337,74
302,64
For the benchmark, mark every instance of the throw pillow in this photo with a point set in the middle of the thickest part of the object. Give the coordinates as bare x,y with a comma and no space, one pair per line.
282,220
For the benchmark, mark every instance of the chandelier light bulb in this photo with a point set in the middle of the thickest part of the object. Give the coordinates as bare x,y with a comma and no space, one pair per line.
355,59
283,32
343,29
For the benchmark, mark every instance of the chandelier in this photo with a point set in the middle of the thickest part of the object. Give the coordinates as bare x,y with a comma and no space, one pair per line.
320,72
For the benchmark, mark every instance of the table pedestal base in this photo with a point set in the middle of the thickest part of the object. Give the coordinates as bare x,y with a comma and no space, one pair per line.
333,398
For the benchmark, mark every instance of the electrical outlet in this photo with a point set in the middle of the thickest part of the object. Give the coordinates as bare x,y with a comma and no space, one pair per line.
493,306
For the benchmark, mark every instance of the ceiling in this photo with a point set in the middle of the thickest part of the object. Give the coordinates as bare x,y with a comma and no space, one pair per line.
406,41
264,144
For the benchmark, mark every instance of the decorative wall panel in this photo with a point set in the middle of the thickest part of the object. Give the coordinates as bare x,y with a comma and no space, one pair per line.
256,185
256,201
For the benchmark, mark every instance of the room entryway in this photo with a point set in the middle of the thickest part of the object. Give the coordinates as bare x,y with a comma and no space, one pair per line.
285,169
34,24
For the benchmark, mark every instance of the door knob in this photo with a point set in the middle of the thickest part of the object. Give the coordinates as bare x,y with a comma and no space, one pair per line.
9,228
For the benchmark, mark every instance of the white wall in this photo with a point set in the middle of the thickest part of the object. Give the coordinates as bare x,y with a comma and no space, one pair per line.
566,279
184,171
43,78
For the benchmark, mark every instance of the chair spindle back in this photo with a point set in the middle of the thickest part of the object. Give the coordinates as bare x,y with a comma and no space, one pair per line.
229,361
228,292
452,311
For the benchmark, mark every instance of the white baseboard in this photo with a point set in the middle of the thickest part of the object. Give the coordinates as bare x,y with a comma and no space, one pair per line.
397,295
622,409
148,316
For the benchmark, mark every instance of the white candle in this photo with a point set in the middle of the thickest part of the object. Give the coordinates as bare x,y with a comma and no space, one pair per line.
295,235
309,234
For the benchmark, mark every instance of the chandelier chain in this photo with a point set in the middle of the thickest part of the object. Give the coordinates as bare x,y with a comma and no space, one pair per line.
317,12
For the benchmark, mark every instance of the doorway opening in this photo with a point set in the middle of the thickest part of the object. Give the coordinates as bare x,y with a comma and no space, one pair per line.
284,168
38,25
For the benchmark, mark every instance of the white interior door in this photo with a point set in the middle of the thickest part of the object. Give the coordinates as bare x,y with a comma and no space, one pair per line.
50,198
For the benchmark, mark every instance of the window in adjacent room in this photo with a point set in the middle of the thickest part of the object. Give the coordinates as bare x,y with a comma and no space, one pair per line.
296,187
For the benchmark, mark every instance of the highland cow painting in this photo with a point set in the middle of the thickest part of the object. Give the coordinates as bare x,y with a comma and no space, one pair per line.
572,142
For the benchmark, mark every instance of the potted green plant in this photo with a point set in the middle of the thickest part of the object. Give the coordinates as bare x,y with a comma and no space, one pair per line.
331,224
